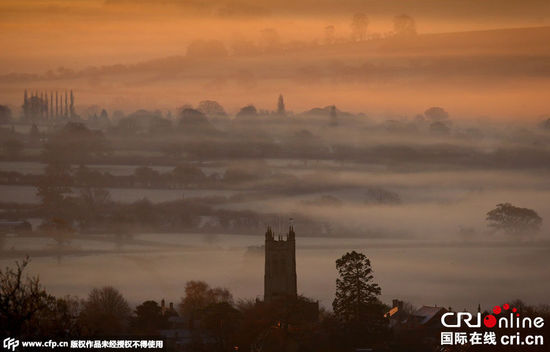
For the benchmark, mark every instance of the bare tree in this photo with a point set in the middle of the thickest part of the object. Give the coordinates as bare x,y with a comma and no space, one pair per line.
105,311
199,295
21,299
211,108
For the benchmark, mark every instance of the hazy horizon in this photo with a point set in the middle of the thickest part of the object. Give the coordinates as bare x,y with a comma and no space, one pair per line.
161,55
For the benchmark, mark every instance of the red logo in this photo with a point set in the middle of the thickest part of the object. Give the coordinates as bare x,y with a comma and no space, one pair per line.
490,320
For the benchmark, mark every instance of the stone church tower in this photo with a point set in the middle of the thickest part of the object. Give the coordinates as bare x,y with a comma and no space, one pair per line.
280,266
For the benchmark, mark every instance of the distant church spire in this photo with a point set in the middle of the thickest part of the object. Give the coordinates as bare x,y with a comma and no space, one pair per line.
281,106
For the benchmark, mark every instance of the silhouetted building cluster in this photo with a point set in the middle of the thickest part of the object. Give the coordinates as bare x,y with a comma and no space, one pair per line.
422,324
44,106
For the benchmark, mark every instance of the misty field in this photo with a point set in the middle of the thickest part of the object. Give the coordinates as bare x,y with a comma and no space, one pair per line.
423,272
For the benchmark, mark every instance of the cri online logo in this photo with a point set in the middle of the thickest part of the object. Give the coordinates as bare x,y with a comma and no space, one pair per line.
490,321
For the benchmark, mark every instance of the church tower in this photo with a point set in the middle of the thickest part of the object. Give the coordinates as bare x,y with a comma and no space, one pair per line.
280,266
281,106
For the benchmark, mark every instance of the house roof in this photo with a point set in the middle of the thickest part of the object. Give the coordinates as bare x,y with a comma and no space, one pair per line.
427,313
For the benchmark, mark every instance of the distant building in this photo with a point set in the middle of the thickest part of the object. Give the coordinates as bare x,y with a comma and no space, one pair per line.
291,313
44,106
280,266
281,106
167,311
423,325
397,315
426,317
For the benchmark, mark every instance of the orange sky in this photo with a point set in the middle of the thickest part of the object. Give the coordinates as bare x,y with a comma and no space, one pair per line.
77,33
40,35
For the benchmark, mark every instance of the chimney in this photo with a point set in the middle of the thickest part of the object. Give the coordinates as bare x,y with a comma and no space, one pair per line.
397,303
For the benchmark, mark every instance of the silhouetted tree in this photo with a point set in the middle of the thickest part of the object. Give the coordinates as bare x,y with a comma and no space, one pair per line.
59,229
248,111
149,318
21,299
59,318
514,220
105,312
104,116
93,201
53,188
211,108
221,320
143,121
436,114
5,114
545,124
274,325
439,127
191,118
199,295
75,143
356,304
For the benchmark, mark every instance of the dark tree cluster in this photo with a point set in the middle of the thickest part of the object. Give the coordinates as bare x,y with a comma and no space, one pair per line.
514,220
207,318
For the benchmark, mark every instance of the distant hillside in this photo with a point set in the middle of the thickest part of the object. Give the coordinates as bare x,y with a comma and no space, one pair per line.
516,41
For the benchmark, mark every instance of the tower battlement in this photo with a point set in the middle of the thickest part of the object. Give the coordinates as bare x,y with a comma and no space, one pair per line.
280,265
